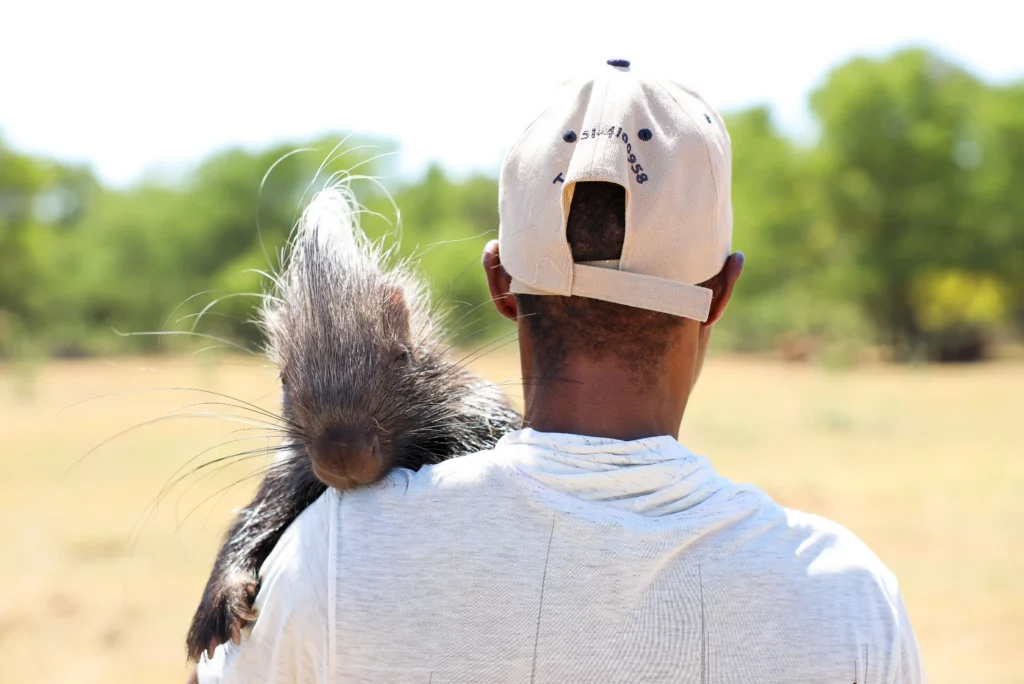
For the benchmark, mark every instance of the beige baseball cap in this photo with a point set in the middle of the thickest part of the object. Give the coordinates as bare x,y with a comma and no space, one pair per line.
667,147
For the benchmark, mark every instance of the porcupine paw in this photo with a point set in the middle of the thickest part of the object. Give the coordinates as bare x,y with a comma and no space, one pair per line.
226,608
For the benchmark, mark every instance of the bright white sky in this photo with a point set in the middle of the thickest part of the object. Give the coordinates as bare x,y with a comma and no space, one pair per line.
132,86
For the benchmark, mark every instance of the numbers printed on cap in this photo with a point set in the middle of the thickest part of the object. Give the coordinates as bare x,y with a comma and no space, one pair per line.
631,159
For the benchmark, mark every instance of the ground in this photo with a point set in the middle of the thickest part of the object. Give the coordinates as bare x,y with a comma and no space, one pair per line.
926,464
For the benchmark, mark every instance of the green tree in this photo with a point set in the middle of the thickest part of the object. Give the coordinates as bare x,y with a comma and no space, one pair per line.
39,201
139,256
904,221
998,184
792,286
21,180
899,154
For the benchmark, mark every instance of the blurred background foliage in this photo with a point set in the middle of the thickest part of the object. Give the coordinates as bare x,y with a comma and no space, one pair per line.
899,226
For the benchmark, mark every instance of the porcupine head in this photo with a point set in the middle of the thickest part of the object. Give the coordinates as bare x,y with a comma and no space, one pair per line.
355,344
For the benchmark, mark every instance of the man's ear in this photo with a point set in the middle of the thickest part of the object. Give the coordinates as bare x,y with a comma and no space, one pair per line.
722,285
499,281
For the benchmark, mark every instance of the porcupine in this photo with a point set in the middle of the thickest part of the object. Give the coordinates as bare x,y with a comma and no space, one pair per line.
367,387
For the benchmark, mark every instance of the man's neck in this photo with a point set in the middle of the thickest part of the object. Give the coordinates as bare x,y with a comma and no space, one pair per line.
604,399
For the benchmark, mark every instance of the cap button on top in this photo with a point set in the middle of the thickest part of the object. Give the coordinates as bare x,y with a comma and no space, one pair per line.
618,62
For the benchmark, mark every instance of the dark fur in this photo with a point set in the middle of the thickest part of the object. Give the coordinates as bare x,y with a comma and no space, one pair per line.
358,348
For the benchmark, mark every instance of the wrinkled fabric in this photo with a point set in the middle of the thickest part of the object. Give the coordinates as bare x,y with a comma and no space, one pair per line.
563,558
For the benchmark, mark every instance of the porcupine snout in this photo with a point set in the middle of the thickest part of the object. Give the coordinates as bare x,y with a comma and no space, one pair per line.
346,458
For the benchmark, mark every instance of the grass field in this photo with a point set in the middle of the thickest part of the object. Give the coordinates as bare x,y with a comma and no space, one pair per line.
925,464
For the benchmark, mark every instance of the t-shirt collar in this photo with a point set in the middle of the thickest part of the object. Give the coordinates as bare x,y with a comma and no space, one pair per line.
653,476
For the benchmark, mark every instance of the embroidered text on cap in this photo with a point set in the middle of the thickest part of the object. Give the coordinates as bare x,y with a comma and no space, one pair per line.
618,62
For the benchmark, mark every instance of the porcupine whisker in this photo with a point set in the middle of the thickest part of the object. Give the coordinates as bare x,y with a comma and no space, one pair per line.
174,479
512,333
241,403
199,315
275,419
346,175
269,276
224,463
226,343
153,506
476,354
206,349
264,418
171,415
215,502
215,465
332,157
455,343
183,303
262,472
452,323
211,313
485,389
397,225
259,196
329,159
371,212
218,465
427,249
166,362
358,209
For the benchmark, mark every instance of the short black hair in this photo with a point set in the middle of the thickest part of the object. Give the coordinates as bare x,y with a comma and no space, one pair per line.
560,326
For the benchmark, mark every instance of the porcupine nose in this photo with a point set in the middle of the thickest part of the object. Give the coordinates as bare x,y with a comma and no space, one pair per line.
345,457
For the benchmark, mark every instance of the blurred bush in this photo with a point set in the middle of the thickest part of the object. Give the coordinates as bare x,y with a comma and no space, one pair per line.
901,224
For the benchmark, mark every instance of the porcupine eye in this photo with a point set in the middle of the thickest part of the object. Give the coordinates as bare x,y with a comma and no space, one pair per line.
402,356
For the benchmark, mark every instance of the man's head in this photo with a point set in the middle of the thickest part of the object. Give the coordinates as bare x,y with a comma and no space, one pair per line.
555,329
616,222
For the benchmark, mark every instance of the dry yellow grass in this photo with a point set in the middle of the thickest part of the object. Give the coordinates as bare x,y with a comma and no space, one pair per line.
926,465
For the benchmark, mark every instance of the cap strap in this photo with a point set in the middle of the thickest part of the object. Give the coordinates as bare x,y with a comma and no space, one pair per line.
642,291
633,289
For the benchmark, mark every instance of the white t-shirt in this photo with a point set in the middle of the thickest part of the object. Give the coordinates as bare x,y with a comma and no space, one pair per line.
561,558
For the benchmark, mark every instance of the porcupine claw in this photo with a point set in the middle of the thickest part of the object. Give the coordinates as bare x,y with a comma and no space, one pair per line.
226,608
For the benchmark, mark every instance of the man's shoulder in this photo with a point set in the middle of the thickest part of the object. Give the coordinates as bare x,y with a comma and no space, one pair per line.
289,640
403,497
807,575
301,548
815,560
468,471
294,578
832,549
